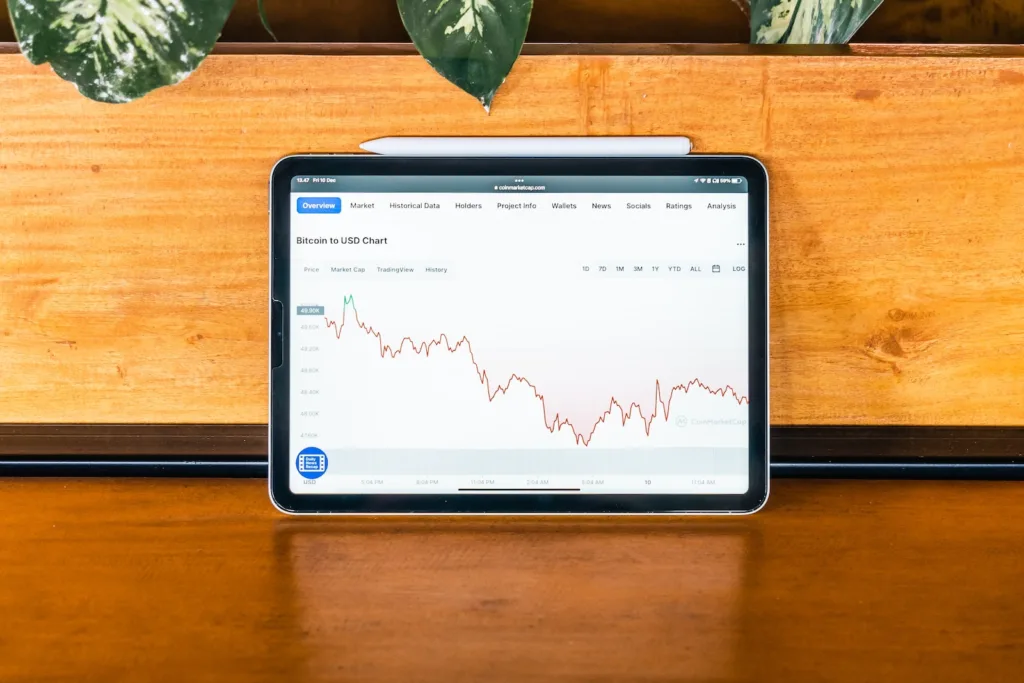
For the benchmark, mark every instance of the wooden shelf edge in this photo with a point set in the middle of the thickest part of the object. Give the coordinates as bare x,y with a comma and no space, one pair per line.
629,49
789,443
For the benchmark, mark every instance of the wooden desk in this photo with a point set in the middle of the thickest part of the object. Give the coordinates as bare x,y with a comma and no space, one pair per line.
202,581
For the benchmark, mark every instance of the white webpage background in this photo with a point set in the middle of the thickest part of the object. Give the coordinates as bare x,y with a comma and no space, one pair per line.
566,320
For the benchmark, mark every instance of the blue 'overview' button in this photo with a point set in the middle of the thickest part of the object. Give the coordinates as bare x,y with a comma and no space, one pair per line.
318,205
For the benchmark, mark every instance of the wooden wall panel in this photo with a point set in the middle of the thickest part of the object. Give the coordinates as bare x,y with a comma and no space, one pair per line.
133,276
639,21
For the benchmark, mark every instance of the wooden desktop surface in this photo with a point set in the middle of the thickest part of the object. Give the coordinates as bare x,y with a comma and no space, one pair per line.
174,580
133,283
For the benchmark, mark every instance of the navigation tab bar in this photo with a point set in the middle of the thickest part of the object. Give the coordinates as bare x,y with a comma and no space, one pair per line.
355,206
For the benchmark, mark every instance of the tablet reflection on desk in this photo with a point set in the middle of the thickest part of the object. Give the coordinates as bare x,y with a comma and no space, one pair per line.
478,600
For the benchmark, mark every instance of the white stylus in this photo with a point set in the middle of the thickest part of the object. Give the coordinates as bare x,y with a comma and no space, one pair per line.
638,146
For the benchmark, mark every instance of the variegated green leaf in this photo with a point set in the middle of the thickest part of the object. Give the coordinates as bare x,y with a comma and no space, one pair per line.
263,19
118,50
804,22
472,43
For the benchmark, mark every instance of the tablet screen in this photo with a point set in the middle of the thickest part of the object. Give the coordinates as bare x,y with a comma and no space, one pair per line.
474,334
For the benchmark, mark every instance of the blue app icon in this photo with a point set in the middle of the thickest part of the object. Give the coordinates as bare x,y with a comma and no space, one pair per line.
311,463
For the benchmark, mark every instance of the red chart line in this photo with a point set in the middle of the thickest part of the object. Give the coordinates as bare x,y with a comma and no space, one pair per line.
551,424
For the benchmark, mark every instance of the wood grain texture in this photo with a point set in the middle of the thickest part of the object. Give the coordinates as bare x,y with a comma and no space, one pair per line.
201,581
102,443
639,21
135,237
91,442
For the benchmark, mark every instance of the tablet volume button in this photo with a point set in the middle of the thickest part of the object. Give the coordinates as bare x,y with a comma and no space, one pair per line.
276,334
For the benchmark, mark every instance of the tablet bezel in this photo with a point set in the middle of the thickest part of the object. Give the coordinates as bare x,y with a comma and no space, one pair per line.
526,503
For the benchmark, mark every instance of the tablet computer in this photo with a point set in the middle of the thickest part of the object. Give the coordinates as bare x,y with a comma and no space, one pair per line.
519,335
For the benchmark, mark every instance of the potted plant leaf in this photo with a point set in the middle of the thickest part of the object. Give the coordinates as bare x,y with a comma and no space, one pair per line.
118,50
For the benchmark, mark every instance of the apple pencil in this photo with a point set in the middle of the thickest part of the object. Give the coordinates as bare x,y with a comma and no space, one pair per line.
638,146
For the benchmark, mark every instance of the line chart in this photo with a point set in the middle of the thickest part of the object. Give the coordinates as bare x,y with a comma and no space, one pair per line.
582,433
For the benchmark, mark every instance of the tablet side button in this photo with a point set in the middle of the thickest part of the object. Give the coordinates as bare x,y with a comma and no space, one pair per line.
276,334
